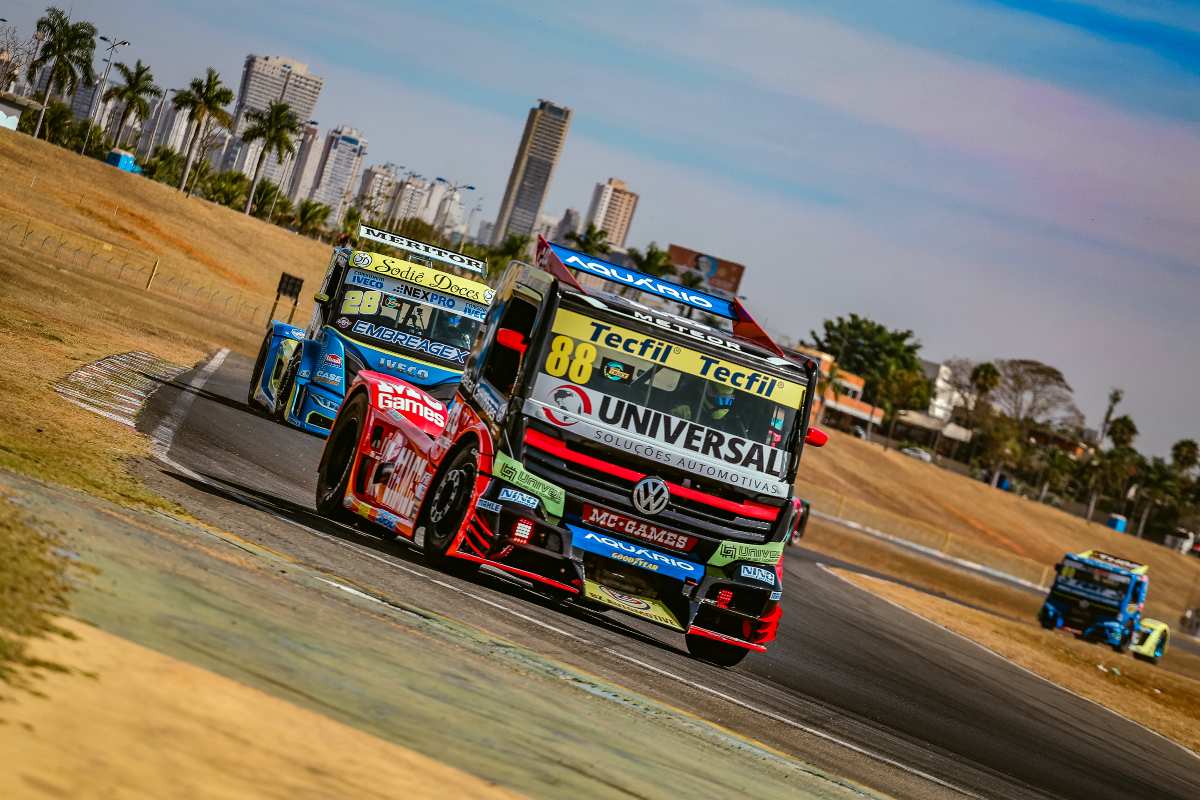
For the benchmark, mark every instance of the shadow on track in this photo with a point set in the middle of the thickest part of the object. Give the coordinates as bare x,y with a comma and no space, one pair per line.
402,550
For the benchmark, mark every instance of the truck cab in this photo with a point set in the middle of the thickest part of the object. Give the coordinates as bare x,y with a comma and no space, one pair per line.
607,450
1100,597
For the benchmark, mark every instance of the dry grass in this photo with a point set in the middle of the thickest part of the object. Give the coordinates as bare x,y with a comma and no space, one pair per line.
1164,701
975,514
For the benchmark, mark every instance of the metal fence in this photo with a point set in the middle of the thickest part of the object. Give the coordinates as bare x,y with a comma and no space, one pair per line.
937,539
152,273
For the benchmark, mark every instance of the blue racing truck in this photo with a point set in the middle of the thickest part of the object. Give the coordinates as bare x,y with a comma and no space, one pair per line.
373,312
1100,597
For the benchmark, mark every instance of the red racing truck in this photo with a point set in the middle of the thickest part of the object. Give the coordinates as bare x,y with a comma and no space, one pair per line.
606,450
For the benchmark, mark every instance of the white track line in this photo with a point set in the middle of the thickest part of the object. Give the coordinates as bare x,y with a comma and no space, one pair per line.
987,649
164,436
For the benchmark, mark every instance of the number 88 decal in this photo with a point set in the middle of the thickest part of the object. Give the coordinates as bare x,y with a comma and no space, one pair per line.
568,358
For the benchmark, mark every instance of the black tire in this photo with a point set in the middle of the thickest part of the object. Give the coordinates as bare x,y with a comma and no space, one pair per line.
714,652
1123,645
256,374
286,384
447,504
337,461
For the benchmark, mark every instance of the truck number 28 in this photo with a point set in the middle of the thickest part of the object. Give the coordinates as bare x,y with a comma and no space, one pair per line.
570,359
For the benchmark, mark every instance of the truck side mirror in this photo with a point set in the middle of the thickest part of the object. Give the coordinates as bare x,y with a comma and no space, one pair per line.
320,298
816,437
512,340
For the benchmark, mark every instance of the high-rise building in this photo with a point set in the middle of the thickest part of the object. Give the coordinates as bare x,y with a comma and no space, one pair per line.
265,80
341,162
485,232
304,165
409,201
569,224
546,225
541,146
166,126
377,190
612,210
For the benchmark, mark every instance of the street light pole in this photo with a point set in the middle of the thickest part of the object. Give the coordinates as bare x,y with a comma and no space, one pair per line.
471,218
112,47
451,193
157,121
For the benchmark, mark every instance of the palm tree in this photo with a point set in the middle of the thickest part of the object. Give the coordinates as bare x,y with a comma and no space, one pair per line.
984,380
593,241
513,248
227,188
653,262
1115,396
1159,486
1184,455
351,221
1122,431
310,217
69,48
275,127
205,100
137,89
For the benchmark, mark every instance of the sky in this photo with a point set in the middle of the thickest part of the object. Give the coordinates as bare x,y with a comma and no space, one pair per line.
1006,178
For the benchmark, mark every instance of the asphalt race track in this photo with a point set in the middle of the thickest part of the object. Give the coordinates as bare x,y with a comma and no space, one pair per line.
853,684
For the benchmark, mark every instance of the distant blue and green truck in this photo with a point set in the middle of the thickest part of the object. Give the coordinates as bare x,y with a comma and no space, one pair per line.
1100,598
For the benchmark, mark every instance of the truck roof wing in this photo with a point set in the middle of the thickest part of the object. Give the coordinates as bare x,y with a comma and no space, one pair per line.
559,261
1114,561
422,249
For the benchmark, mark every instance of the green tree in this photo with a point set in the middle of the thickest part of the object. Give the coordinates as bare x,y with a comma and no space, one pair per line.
68,49
1115,396
1122,431
204,100
984,380
310,217
513,248
228,188
135,94
592,241
164,165
351,222
654,261
1031,392
1159,487
902,389
867,348
275,128
1184,456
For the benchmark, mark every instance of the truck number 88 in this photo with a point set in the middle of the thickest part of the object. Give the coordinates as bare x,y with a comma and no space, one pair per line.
570,359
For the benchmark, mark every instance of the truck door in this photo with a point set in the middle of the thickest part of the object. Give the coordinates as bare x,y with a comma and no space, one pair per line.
494,373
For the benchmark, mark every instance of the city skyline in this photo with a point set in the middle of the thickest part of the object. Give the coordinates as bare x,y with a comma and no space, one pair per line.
532,173
1004,179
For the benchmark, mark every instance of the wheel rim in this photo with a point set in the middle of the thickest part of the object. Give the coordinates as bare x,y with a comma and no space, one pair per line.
449,498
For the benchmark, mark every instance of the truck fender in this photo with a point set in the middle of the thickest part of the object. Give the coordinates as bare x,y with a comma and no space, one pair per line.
404,405
283,339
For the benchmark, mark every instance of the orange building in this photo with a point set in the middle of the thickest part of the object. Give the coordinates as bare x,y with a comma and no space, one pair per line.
840,402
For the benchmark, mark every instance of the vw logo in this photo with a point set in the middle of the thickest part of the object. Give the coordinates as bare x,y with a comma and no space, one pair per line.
651,495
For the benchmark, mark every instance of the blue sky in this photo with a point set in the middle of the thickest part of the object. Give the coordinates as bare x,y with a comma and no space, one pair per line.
1008,178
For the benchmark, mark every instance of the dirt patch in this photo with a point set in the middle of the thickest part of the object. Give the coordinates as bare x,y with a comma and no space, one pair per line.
146,725
1163,701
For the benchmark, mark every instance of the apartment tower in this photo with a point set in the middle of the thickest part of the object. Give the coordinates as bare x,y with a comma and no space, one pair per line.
612,210
541,146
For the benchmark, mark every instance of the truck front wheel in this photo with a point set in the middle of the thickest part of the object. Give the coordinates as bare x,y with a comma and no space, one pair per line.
448,504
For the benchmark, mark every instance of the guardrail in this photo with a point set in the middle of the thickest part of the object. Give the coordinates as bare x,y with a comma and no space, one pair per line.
953,546
122,264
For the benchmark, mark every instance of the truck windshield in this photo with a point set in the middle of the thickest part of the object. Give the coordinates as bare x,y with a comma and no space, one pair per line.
668,402
386,312
1078,578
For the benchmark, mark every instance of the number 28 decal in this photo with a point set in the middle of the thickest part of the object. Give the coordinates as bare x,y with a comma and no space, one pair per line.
568,358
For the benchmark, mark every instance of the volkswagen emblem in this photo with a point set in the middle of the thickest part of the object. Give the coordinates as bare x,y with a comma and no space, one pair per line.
650,496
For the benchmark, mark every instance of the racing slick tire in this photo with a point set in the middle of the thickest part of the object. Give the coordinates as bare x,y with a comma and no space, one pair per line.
446,507
286,385
714,652
333,475
256,374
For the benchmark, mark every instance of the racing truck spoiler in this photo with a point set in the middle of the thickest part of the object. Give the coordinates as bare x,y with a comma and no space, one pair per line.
422,249
559,261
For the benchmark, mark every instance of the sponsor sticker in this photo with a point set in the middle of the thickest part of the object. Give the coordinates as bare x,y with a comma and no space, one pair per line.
333,359
617,371
679,326
639,280
628,526
645,607
437,280
660,437
778,593
342,322
325,376
760,574
399,289
410,341
635,554
488,505
509,469
326,405
650,348
519,497
412,404
740,551
402,368
428,250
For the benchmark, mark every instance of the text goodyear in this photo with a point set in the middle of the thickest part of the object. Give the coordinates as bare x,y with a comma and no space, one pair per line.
423,276
649,348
